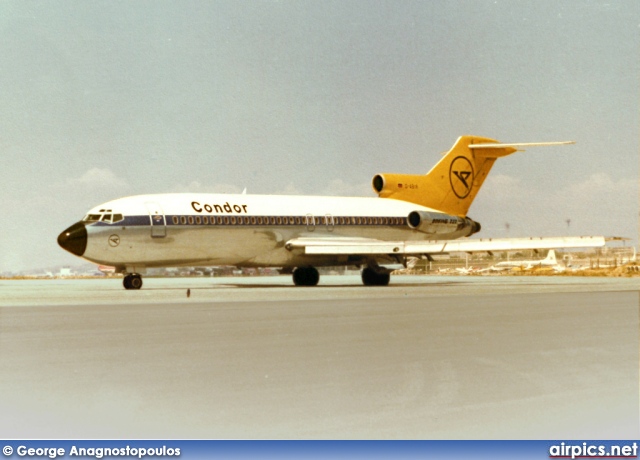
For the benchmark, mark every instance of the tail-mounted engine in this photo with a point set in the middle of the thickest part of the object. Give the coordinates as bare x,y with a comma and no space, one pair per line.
442,225
403,186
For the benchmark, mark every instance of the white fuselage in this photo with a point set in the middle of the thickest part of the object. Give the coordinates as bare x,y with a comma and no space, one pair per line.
170,230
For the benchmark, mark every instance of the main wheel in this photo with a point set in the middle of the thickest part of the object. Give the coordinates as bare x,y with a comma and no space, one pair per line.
306,276
370,277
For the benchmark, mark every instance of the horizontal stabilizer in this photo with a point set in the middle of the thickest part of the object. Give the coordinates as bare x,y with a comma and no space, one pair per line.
516,145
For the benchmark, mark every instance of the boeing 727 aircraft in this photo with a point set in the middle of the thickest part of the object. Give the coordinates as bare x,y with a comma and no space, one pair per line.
417,215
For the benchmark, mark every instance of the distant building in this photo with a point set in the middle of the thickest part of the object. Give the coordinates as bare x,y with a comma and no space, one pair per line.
65,271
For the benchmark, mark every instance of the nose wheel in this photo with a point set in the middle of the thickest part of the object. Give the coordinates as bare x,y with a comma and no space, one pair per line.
132,281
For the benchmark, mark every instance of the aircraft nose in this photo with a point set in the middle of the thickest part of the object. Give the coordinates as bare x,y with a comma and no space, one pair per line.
74,239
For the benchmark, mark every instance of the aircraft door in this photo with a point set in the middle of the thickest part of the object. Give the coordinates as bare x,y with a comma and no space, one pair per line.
157,219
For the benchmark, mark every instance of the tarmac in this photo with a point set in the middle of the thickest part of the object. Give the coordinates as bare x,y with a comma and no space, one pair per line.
256,358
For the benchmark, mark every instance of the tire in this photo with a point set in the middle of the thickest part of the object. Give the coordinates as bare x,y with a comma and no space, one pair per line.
136,282
132,281
370,277
305,276
383,279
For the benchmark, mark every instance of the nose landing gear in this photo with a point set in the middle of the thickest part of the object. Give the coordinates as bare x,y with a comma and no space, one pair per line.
132,281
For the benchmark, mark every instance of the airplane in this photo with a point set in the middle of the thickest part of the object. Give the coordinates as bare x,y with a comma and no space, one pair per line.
549,262
413,215
465,270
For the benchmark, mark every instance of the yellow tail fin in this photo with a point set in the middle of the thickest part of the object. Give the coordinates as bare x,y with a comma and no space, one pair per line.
453,183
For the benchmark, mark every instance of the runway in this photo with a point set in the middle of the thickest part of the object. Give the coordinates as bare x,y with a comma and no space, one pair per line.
424,358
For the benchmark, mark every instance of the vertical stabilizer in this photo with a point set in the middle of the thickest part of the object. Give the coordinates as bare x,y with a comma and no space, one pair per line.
453,183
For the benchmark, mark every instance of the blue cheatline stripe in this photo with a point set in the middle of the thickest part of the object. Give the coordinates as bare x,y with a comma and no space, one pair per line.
235,220
370,450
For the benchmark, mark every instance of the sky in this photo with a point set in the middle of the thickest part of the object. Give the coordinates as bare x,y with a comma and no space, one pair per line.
104,99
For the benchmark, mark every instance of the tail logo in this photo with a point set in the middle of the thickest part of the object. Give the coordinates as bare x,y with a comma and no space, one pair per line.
461,176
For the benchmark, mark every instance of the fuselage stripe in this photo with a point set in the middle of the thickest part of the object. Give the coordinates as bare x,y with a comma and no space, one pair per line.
226,221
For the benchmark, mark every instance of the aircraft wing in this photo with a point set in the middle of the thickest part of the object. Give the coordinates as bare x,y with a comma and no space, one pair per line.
366,246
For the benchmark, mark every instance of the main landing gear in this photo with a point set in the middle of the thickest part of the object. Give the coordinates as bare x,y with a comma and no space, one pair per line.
306,276
132,281
375,277
371,276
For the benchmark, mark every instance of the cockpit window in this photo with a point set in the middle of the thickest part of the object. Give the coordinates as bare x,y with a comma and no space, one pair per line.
92,218
107,218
